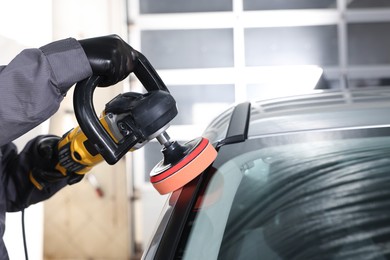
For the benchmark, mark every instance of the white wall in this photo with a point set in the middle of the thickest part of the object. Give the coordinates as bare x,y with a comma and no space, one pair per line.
22,28
26,24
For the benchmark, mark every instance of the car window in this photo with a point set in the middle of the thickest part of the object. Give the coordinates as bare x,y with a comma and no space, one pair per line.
325,199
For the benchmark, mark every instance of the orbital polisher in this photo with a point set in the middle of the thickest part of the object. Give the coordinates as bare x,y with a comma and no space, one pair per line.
128,122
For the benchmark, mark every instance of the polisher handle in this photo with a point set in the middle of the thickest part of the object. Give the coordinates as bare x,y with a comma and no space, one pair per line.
148,75
88,120
91,126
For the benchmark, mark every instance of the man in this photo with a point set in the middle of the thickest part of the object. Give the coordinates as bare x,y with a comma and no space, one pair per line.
32,86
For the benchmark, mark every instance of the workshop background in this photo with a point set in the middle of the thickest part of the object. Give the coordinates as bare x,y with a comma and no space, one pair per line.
210,54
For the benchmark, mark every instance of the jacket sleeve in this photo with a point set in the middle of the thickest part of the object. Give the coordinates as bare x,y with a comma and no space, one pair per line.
34,83
19,190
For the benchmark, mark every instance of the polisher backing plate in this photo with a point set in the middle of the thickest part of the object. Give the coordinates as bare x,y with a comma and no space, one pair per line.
168,178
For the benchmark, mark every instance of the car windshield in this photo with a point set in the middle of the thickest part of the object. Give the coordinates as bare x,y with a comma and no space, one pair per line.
326,199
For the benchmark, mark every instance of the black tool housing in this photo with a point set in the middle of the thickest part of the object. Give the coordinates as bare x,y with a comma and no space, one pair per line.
143,113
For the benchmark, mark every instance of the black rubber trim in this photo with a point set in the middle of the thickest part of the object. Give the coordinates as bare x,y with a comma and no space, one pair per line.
238,125
178,220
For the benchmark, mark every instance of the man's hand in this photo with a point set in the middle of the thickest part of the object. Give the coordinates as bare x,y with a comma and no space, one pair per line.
44,157
110,57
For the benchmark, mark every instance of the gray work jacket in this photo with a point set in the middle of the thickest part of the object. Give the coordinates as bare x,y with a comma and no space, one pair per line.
32,86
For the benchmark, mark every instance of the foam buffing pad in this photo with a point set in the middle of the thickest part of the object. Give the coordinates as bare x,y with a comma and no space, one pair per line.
181,164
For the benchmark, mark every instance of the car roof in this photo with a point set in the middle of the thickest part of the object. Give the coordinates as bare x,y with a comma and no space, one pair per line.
316,111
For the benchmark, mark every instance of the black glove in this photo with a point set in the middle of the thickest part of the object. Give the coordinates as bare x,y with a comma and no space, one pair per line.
110,57
44,158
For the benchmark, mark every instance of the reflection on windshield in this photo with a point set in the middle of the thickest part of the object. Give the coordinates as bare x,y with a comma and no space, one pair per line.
325,200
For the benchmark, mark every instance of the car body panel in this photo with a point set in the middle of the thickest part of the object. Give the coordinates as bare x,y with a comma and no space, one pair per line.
314,119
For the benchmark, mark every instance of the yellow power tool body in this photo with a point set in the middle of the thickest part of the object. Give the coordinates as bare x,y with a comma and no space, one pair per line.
75,153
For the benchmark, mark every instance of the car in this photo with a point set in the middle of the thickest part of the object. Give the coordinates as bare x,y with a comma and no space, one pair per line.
300,177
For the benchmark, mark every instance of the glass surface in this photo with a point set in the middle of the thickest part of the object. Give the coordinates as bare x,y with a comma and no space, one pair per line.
199,104
288,4
218,127
280,81
269,91
328,83
368,82
177,49
368,3
152,155
180,6
368,43
306,45
322,199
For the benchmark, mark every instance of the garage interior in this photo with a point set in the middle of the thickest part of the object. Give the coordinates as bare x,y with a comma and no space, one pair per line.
210,54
